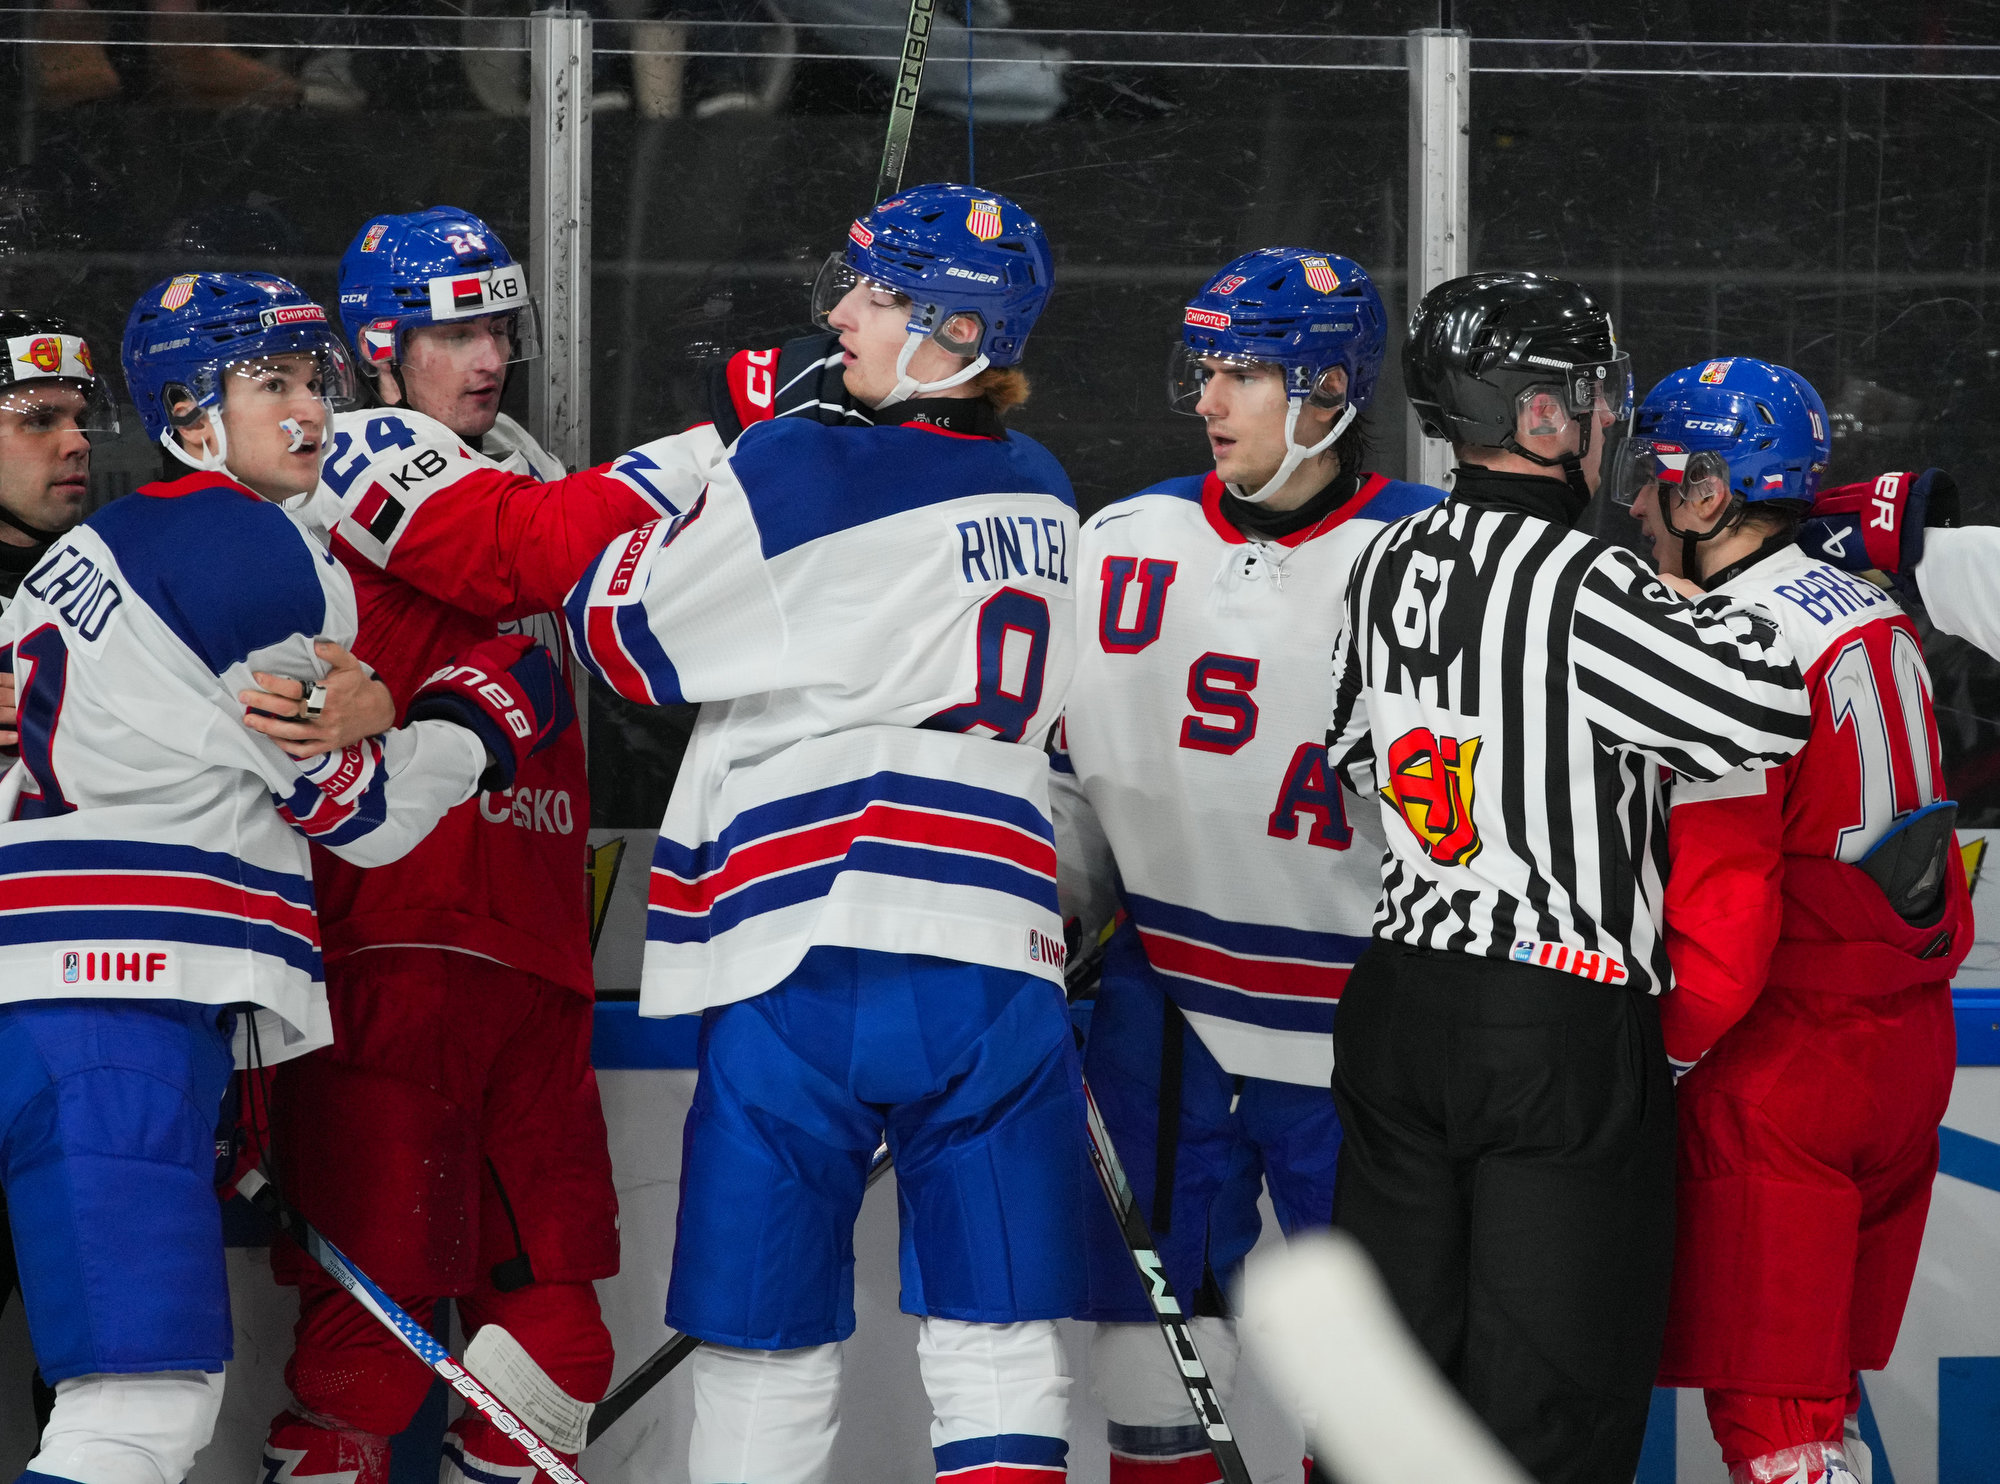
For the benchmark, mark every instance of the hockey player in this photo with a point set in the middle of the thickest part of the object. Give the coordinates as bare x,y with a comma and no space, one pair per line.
1191,792
51,401
451,1141
855,881
1812,990
1511,689
156,911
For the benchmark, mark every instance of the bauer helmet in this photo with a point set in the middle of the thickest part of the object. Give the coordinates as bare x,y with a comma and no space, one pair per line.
1756,430
430,267
187,332
952,251
1306,313
44,352
1483,347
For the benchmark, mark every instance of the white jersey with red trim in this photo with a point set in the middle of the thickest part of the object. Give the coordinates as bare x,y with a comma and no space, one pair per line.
1190,778
877,620
154,846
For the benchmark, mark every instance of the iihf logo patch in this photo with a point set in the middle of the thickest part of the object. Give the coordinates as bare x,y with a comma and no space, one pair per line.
983,220
179,291
72,968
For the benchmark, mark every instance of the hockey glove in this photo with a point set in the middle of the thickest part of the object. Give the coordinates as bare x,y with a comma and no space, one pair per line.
1878,525
511,695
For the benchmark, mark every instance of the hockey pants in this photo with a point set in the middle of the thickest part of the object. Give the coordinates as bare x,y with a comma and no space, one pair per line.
1508,1164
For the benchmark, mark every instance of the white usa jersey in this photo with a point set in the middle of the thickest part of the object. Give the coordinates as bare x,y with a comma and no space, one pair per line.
878,622
1190,777
154,846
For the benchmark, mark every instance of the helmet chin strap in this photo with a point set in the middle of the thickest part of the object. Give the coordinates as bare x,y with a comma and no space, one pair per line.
217,461
1570,463
1691,540
1295,453
907,386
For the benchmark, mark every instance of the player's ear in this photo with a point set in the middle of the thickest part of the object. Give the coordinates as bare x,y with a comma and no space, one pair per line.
186,417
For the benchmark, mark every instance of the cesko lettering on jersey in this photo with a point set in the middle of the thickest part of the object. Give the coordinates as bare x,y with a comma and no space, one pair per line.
1001,546
1582,962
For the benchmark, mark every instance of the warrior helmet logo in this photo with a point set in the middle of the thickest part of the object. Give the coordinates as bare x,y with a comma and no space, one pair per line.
1320,274
1430,784
982,220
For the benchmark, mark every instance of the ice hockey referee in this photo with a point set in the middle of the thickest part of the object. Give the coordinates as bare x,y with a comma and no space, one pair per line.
1512,689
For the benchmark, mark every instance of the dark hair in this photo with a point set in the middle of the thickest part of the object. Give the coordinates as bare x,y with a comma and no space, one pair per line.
1356,446
1778,520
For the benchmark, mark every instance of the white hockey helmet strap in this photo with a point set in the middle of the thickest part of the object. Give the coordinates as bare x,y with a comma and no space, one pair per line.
1296,453
216,461
907,386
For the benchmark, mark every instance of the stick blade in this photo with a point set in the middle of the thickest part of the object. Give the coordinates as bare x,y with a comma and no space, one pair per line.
1320,1327
561,1420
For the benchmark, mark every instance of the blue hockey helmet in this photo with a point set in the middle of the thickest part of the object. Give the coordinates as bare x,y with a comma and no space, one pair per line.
436,266
1304,312
1760,429
186,332
957,254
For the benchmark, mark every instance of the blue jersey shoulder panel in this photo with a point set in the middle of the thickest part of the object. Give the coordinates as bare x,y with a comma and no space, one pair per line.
228,574
1397,499
805,480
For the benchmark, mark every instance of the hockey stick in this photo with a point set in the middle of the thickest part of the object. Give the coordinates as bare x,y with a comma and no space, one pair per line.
1166,1308
1325,1334
903,103
261,1193
627,1394
1081,975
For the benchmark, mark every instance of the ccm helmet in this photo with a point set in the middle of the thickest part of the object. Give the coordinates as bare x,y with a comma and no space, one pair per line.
437,266
1302,311
187,332
1487,346
974,267
1756,430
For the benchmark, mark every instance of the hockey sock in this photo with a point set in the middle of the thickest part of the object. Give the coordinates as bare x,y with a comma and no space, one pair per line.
1000,1401
143,1429
763,1416
1152,1430
471,1460
300,1449
1808,1463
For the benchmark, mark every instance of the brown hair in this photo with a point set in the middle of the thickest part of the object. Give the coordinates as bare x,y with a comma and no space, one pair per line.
1006,387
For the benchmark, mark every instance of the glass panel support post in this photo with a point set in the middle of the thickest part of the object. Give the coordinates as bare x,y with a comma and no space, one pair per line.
1440,167
559,71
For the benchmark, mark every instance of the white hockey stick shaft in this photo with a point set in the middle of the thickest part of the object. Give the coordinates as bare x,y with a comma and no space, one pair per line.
1318,1323
419,1341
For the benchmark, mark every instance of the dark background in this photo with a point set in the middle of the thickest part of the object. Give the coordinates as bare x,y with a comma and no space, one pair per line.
1841,224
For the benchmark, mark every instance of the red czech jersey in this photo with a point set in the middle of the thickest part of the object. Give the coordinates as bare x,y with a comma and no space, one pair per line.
447,547
1872,759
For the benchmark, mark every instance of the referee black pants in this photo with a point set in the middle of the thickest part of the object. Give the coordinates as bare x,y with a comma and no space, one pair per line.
1509,1165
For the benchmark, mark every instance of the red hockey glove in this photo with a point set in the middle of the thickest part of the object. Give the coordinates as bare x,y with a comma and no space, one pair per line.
509,692
1879,524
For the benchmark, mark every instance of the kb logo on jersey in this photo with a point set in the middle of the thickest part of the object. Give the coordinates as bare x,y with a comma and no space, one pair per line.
1430,783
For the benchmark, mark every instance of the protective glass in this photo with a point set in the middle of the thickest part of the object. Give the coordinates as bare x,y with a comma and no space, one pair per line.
1189,372
1637,462
56,405
836,280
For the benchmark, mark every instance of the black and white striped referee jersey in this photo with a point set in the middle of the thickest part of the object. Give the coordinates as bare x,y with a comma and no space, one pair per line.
1513,691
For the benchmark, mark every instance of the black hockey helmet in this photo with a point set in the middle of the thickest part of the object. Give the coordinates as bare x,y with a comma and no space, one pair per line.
40,348
1482,345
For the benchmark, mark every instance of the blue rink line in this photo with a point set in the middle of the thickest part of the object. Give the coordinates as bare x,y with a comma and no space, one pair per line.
626,1041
